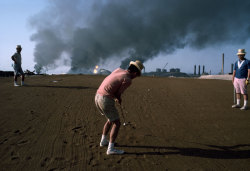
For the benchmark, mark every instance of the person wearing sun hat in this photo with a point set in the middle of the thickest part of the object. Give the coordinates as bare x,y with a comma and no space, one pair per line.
110,91
240,79
17,65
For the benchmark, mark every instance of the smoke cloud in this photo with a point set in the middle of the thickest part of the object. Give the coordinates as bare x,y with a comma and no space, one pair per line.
95,31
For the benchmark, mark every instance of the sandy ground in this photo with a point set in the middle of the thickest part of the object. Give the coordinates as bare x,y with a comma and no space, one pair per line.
216,77
176,124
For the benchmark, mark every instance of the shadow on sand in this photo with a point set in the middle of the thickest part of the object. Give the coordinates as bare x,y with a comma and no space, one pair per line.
67,87
222,152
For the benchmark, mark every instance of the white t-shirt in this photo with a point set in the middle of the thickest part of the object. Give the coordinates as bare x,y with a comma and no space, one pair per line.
18,58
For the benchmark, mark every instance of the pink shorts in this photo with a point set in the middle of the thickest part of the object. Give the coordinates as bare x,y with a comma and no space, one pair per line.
240,85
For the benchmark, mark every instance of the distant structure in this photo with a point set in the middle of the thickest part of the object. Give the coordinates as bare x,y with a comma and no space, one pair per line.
198,72
175,70
163,69
203,69
232,68
6,73
222,69
158,70
104,72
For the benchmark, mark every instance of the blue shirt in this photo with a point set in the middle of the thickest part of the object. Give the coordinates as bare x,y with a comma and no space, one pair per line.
243,70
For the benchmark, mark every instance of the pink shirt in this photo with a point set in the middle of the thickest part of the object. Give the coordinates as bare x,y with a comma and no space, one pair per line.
115,84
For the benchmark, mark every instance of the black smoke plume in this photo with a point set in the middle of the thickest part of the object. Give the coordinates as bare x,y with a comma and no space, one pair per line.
94,31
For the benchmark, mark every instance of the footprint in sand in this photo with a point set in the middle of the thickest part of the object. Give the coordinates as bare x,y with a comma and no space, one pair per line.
3,141
14,155
28,158
90,160
28,129
17,131
76,128
52,169
15,158
45,162
120,160
22,142
59,158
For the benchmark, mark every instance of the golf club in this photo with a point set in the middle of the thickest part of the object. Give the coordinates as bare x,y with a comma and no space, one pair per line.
234,96
124,124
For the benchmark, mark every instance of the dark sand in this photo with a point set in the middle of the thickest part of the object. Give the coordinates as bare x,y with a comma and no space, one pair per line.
176,124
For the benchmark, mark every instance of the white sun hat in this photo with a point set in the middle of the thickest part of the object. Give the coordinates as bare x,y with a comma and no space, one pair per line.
18,46
138,64
241,52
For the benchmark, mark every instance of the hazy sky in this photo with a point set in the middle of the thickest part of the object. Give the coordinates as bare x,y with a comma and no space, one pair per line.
16,29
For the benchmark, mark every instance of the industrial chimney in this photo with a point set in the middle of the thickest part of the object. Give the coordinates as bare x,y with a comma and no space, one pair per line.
203,69
194,69
199,70
222,69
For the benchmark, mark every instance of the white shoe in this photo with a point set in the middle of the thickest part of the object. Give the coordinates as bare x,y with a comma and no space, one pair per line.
114,151
104,143
243,108
236,106
16,85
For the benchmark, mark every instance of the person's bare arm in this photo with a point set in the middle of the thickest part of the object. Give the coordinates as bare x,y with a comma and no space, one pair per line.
248,74
125,84
248,77
13,58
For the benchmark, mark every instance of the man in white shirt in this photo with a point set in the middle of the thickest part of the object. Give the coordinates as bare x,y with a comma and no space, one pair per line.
240,78
17,58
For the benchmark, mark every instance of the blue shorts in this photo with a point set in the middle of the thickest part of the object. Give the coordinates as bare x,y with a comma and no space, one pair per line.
18,69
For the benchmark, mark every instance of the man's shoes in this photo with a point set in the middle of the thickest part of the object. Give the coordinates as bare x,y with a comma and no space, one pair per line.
104,143
114,151
236,106
16,85
22,84
243,108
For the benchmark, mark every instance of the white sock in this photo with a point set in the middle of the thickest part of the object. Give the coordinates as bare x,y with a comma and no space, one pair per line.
238,101
103,137
245,102
111,145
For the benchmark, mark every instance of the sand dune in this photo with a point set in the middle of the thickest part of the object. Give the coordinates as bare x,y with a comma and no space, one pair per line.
176,124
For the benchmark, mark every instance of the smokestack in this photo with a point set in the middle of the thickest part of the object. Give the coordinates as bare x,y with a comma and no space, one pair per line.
199,70
222,69
203,69
232,68
194,69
